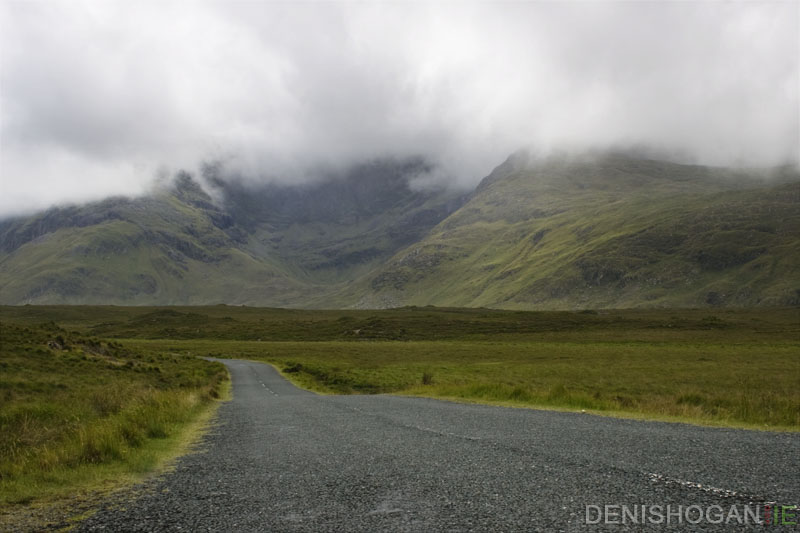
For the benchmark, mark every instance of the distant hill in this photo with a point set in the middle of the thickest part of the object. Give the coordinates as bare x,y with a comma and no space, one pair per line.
602,230
274,245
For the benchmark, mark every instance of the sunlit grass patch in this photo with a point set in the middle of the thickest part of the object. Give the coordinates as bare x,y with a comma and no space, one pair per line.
77,412
690,380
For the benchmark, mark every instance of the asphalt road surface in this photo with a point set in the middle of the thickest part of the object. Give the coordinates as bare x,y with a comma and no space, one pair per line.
283,459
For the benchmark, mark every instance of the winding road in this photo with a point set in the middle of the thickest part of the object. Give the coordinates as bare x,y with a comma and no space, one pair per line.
284,459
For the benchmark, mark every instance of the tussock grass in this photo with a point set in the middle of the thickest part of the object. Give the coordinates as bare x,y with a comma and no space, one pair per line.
699,382
722,366
735,367
77,412
222,322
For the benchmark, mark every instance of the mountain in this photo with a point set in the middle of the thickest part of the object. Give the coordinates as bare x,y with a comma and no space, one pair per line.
599,230
343,226
606,230
269,245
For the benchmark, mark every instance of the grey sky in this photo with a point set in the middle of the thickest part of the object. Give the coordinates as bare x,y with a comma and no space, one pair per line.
98,97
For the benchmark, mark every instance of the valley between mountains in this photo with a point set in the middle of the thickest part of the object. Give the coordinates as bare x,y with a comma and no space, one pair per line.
596,231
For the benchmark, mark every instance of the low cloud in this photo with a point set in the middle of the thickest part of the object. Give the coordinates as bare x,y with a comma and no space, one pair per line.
99,97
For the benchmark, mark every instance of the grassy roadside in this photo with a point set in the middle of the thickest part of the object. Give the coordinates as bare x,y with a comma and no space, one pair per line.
95,398
731,367
735,367
753,385
81,417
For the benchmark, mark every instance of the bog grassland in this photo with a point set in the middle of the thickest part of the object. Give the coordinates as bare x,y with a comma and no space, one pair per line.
94,394
733,367
81,415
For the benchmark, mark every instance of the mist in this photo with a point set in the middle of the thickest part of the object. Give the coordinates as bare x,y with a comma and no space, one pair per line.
101,98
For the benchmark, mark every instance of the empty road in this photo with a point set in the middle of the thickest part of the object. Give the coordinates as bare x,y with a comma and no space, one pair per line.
283,459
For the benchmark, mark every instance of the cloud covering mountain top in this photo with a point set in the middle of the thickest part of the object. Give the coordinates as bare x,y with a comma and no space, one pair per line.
99,97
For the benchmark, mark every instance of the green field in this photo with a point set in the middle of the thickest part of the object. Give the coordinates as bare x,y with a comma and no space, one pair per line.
695,382
82,416
728,367
93,394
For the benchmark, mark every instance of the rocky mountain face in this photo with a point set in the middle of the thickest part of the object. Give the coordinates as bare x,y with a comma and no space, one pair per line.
601,230
241,244
605,231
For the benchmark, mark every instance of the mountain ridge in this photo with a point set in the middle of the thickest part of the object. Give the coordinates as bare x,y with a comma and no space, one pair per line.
599,230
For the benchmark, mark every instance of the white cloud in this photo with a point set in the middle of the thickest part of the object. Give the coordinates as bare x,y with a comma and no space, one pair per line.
97,95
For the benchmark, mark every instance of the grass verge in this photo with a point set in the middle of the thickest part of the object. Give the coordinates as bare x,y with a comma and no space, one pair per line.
80,417
753,385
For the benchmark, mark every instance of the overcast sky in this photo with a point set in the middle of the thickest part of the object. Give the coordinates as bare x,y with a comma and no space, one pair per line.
98,97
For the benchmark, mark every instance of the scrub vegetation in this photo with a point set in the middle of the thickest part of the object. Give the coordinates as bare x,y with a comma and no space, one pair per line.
724,367
80,414
92,398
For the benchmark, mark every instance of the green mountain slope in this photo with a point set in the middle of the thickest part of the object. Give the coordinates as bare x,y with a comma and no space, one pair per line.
171,247
271,246
610,231
560,233
338,229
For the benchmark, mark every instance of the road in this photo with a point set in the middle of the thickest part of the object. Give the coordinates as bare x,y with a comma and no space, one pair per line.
284,459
